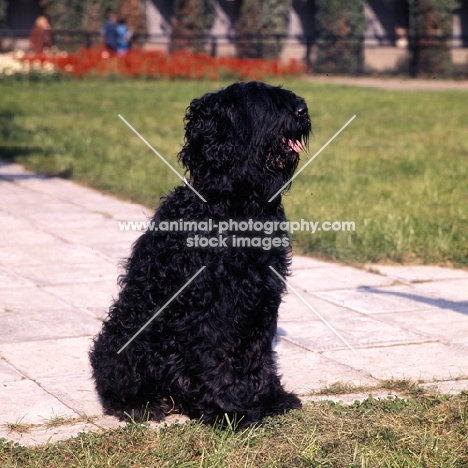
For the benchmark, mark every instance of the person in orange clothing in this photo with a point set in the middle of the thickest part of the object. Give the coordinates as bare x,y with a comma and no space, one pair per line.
40,38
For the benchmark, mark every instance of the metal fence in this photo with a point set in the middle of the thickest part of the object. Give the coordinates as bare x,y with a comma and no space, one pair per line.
381,53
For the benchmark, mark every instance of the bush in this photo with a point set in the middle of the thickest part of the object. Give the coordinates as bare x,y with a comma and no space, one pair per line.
340,26
430,36
192,20
261,28
78,14
3,10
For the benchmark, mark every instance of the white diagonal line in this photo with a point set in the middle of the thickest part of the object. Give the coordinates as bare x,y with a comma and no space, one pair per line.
313,157
161,309
162,159
313,310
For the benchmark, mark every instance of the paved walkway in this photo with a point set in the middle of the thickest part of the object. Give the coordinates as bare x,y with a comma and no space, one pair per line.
397,84
59,251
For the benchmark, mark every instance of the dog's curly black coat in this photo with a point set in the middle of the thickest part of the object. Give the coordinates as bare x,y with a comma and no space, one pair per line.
209,353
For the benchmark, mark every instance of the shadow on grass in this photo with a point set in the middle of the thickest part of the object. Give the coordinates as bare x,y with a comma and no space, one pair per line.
11,155
15,147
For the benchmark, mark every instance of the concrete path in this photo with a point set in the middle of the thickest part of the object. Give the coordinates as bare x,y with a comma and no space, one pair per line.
396,84
60,245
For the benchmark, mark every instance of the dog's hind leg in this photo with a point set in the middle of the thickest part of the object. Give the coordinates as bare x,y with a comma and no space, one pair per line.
125,390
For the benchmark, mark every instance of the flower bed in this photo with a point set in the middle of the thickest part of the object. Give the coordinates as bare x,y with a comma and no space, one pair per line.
157,64
14,64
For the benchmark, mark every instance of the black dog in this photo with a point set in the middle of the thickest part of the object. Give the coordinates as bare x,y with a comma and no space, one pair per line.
209,352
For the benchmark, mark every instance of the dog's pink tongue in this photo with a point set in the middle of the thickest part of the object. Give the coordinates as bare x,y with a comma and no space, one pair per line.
295,145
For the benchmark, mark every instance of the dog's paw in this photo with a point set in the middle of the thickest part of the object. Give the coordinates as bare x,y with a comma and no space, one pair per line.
283,403
139,414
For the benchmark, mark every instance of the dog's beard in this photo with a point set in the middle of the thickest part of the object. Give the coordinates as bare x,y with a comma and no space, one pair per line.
285,160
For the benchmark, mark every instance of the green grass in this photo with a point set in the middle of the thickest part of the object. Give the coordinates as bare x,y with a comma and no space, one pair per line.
415,432
398,171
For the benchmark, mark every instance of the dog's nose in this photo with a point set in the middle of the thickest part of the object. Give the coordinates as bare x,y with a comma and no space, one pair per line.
302,111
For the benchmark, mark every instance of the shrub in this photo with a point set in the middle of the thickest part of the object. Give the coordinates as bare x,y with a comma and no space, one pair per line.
192,20
3,10
78,14
261,27
340,26
430,33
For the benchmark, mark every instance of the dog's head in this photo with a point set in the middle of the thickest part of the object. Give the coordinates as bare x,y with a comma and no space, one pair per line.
244,139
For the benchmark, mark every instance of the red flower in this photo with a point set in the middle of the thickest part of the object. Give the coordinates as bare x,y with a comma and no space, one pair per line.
182,64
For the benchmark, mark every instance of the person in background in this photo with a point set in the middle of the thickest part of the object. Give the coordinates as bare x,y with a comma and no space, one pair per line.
109,32
40,38
123,37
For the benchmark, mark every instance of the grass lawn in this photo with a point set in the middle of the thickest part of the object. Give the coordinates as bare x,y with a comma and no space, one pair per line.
399,171
421,431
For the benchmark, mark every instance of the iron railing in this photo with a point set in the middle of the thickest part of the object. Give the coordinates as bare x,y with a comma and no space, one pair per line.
264,46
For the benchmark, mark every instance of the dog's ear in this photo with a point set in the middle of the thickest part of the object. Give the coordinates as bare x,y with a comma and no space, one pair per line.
208,136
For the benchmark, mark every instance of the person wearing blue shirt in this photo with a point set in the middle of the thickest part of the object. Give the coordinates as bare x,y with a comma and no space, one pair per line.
109,32
123,37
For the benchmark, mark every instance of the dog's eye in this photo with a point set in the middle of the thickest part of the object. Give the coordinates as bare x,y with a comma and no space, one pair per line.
302,111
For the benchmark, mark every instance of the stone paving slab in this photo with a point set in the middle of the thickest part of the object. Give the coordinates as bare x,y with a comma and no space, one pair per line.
8,373
13,300
418,274
424,362
307,263
448,387
26,235
373,301
56,251
60,248
294,308
81,397
78,233
49,358
46,324
450,294
78,294
331,278
350,398
10,225
9,279
358,331
26,402
65,273
73,194
44,434
444,325
304,371
113,252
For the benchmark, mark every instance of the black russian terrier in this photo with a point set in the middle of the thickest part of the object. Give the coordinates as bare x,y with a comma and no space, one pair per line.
209,352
